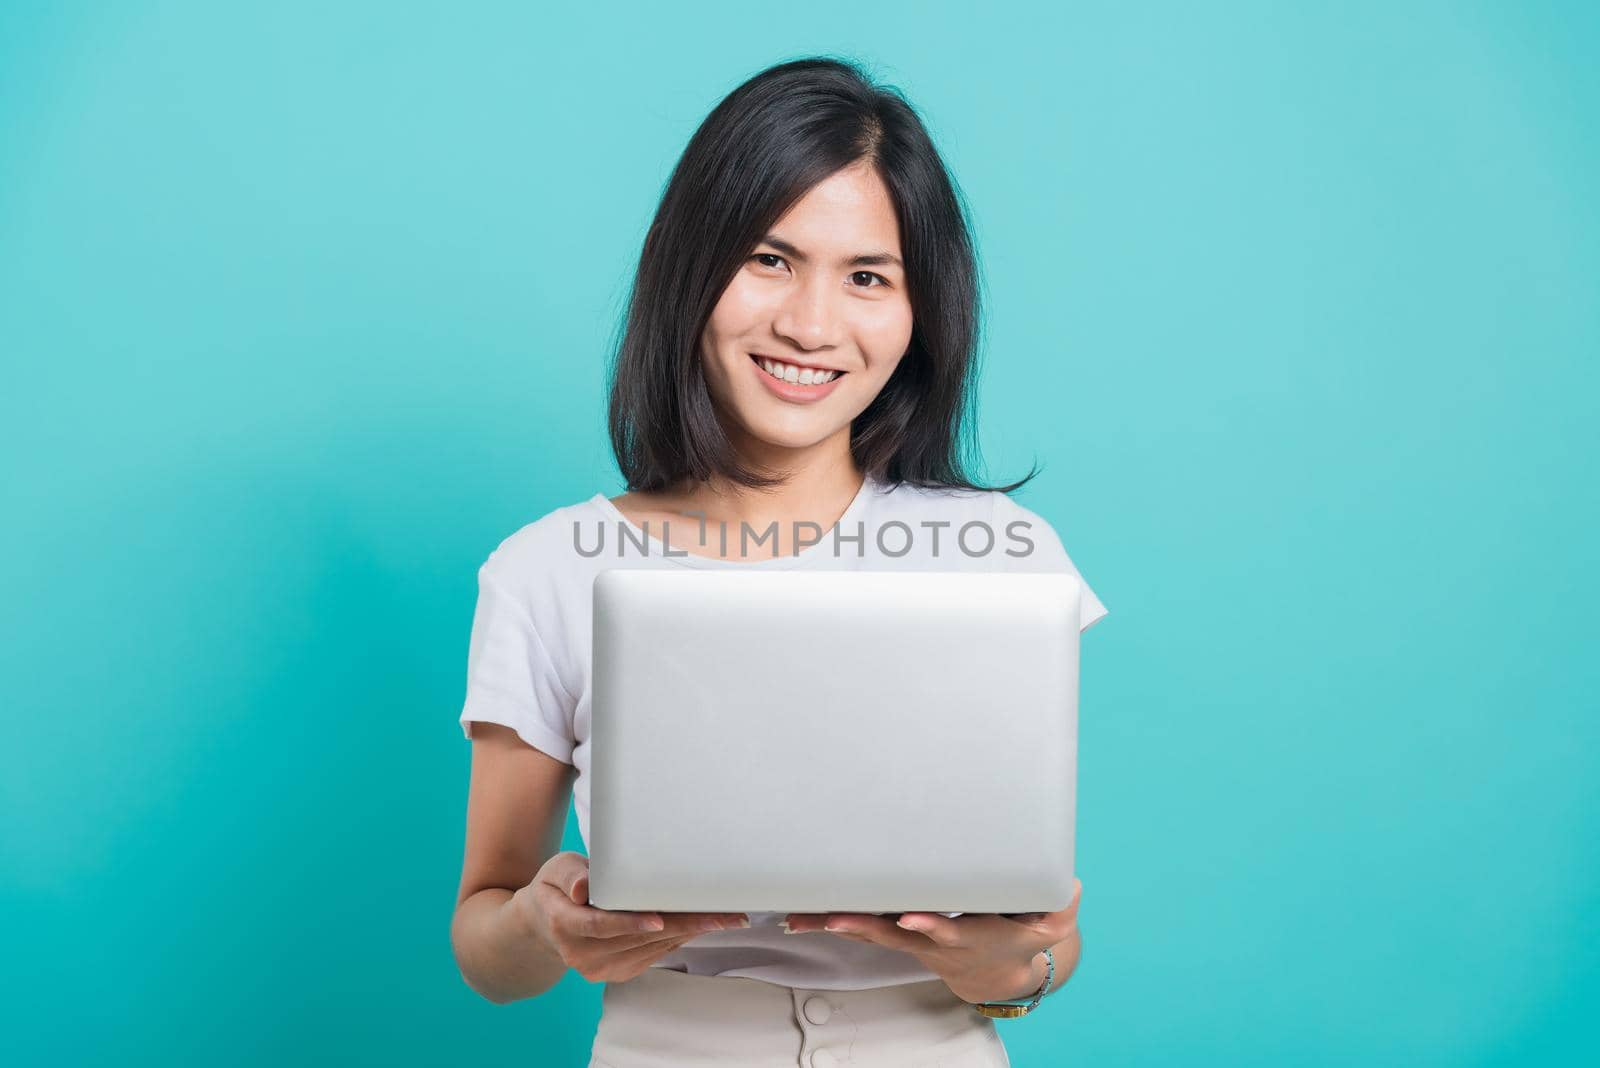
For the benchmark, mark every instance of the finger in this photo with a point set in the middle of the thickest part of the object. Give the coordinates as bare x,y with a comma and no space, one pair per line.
879,929
591,922
1052,925
623,943
585,921
564,873
1065,921
633,961
698,923
685,924
942,930
1059,925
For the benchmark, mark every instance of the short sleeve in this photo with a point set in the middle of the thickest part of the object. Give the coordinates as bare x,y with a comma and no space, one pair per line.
511,679
1025,541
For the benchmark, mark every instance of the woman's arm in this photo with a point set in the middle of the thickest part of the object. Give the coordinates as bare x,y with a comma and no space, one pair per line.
516,812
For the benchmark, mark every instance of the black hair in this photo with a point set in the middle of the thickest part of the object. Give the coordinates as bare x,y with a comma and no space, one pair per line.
763,147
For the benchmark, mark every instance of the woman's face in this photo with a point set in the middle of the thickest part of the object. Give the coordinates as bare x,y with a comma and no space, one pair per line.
824,291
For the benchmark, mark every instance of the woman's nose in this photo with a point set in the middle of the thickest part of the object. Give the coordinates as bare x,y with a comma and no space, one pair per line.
808,317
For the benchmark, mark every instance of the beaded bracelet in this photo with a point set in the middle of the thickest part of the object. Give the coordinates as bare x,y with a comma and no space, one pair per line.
1010,1010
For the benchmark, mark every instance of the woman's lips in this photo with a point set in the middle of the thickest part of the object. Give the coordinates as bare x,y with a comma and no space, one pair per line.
794,391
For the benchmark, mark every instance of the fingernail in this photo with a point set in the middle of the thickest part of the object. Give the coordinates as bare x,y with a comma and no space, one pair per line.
790,930
908,925
833,927
652,925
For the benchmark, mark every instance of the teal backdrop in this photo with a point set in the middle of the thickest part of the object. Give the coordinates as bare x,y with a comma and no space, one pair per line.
304,307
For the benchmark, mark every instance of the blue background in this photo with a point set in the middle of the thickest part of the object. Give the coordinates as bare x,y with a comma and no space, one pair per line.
304,307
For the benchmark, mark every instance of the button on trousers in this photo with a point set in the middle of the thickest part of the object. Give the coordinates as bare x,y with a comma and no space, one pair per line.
669,1019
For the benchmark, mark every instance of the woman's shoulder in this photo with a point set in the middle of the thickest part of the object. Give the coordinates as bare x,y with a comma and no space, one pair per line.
545,547
956,502
1007,509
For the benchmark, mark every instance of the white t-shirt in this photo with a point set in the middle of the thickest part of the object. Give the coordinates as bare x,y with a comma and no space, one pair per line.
528,665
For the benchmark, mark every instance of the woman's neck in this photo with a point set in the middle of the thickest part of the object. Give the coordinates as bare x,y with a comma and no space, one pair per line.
775,518
810,495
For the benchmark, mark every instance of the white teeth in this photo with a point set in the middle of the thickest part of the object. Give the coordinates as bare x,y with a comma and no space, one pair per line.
801,376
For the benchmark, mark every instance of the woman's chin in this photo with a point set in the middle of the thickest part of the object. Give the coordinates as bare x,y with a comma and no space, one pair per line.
796,435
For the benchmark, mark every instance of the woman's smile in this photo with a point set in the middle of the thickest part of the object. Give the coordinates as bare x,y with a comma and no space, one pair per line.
795,382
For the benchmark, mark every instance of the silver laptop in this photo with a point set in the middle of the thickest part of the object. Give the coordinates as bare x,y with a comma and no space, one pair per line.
833,741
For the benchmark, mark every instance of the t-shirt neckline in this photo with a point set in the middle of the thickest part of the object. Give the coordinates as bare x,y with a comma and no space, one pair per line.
657,547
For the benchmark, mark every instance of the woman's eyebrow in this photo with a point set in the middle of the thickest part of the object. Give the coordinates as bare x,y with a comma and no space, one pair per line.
863,259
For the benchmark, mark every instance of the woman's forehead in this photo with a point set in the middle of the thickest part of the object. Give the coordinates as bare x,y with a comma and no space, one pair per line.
847,215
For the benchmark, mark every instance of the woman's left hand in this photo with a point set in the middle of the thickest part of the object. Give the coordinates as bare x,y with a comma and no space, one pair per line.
980,956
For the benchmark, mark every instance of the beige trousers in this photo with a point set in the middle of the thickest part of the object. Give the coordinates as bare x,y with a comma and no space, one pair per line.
670,1019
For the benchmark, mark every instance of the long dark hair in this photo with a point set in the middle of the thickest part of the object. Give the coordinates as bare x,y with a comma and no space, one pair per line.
759,151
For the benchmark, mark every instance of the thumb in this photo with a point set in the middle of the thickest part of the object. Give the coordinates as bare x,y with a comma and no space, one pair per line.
579,891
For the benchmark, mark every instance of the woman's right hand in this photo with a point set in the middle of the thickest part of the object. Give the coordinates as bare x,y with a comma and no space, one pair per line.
603,945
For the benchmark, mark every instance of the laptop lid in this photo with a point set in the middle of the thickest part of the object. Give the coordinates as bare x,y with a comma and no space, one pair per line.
819,741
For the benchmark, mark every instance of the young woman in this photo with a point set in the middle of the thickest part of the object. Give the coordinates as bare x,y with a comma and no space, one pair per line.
789,392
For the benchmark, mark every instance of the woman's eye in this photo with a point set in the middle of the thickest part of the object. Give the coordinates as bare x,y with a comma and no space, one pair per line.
856,277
